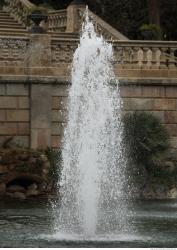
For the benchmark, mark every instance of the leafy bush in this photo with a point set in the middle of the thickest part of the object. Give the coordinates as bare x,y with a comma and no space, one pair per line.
145,137
37,9
2,3
153,29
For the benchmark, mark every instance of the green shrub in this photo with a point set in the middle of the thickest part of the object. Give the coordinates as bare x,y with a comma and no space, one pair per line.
2,3
145,137
153,28
38,9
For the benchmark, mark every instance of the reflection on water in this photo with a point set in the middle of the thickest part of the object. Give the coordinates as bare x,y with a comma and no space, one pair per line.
27,224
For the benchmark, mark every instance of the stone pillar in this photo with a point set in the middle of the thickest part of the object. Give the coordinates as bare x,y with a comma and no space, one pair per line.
39,51
73,18
40,93
41,115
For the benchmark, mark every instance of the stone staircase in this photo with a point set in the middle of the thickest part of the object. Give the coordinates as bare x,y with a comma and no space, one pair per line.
9,26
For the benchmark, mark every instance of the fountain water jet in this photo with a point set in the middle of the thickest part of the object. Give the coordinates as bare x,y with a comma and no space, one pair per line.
93,176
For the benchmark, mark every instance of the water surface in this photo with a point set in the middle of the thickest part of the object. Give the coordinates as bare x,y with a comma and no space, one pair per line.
28,224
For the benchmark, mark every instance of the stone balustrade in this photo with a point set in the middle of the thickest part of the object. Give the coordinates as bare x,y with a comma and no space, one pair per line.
13,51
145,54
62,51
19,9
128,55
57,21
60,21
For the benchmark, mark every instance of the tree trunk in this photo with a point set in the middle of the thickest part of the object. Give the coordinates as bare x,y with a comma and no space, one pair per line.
154,12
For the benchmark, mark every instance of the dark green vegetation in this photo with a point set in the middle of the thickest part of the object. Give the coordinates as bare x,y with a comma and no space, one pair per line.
145,137
2,2
55,159
150,160
129,15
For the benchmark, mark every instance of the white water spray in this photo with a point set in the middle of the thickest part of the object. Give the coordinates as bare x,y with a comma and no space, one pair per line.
93,160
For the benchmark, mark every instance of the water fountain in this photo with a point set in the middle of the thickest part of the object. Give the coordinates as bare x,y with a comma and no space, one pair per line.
93,200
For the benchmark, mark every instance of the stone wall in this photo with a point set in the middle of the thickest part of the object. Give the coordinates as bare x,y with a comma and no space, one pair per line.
34,114
15,113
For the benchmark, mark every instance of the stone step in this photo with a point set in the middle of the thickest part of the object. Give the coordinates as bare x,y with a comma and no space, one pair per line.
13,25
8,21
64,35
2,11
12,31
4,15
15,35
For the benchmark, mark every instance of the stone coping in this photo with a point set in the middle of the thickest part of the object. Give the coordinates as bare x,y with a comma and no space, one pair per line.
149,81
33,79
19,79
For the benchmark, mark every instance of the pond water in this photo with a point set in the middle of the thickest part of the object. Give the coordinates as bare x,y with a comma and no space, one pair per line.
28,224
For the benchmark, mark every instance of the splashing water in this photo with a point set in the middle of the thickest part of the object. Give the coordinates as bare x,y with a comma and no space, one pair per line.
93,176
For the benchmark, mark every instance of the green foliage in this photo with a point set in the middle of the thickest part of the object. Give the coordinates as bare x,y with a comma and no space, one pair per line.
55,159
128,15
145,137
52,3
168,21
156,32
38,9
150,26
2,3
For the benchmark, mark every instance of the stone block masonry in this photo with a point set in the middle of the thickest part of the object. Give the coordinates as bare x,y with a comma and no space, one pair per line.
15,114
34,114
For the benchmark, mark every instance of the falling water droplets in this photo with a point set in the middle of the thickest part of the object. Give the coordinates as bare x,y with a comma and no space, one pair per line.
93,176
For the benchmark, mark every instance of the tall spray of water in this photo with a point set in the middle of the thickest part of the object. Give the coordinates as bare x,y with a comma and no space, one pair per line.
93,177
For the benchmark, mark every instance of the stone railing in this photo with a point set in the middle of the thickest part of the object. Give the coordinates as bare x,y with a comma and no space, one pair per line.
57,21
13,51
19,9
128,54
102,27
62,51
145,54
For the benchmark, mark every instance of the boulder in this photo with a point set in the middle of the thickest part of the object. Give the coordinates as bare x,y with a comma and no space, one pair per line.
2,189
32,160
9,194
46,165
12,167
43,186
32,193
43,158
172,193
19,195
45,172
32,186
24,157
3,169
16,188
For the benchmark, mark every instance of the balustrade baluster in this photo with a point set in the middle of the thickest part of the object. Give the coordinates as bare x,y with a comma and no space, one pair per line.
135,57
140,57
164,58
149,58
172,61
